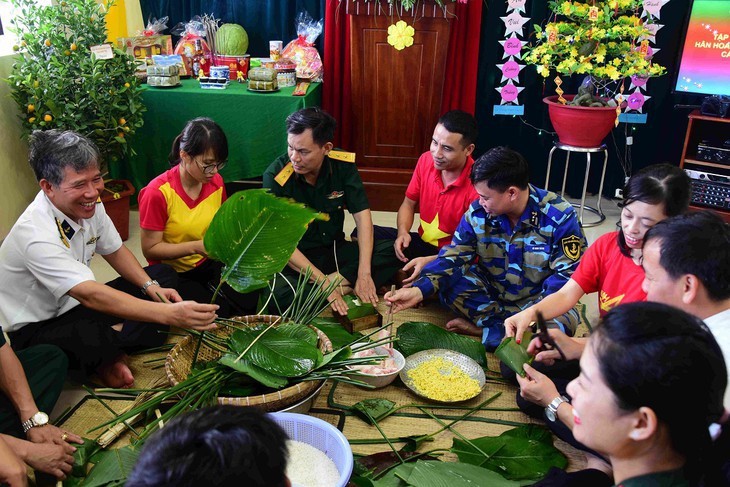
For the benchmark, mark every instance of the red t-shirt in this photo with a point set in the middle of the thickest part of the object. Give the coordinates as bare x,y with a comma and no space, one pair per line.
604,269
440,208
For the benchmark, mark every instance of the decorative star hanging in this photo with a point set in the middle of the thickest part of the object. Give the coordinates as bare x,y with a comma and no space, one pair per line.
653,8
510,70
514,23
516,5
509,92
512,46
653,29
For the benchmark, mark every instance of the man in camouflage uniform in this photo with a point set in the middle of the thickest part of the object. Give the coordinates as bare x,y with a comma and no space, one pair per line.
514,246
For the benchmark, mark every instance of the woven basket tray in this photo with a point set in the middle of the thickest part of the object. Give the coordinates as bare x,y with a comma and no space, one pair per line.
180,358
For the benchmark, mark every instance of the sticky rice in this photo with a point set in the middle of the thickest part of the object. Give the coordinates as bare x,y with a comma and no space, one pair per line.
308,466
441,380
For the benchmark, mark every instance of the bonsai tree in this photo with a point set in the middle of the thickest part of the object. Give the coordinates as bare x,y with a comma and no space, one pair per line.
601,39
58,83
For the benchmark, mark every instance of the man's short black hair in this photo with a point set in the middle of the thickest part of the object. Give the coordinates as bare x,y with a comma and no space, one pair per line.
322,124
696,243
459,122
500,168
212,447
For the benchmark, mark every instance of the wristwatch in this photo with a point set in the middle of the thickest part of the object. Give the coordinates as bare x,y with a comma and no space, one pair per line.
147,284
38,419
552,410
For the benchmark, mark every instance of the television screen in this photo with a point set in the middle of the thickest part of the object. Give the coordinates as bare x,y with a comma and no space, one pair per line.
704,66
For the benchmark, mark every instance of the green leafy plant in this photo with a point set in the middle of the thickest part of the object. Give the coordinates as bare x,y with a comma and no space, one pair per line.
58,83
603,39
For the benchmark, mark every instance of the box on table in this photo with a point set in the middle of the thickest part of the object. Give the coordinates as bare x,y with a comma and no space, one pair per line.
142,47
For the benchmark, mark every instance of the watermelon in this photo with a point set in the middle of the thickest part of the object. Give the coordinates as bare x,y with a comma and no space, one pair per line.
231,40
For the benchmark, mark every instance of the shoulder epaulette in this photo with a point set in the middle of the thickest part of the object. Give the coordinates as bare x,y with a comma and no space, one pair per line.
284,174
340,155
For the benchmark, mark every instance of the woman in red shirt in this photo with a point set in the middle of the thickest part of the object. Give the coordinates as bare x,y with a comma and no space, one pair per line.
612,265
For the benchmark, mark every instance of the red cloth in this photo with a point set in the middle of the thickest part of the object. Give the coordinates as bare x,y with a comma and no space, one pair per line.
460,85
337,88
604,269
450,203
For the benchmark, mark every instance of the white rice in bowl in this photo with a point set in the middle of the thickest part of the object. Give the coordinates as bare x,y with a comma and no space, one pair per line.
308,466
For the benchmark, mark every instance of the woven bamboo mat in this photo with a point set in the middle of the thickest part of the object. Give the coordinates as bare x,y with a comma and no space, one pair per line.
332,403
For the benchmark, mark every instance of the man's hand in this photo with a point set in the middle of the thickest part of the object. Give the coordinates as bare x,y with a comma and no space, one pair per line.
12,469
193,315
56,460
404,298
417,264
536,387
337,304
515,325
51,434
168,295
571,347
402,243
365,289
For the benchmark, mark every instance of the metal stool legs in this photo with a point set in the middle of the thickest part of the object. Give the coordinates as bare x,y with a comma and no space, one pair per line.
582,206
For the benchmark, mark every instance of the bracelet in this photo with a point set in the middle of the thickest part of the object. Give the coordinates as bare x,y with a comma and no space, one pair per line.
147,284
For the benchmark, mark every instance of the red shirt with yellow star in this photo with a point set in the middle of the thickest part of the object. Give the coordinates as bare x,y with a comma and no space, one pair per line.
604,269
440,208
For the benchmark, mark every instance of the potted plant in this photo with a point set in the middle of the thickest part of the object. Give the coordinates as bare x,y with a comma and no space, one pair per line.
603,40
59,83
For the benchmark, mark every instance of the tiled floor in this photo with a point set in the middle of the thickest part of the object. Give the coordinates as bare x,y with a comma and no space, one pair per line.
103,272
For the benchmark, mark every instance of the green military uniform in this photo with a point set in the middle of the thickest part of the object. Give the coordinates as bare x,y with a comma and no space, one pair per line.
45,368
338,187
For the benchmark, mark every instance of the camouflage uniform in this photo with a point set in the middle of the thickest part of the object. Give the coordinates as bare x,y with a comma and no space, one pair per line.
491,271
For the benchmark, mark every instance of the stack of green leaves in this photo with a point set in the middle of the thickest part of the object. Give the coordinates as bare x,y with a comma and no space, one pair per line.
416,336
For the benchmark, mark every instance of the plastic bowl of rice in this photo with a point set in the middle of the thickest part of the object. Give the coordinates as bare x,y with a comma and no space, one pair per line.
383,372
443,375
319,454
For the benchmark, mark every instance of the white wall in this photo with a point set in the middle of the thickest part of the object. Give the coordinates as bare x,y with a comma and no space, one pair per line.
17,182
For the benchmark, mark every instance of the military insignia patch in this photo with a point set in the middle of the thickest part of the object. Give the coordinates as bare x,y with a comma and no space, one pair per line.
571,247
335,194
534,219
65,231
343,156
284,174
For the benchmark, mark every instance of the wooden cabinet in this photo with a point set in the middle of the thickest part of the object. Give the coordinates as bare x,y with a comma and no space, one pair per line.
396,95
706,157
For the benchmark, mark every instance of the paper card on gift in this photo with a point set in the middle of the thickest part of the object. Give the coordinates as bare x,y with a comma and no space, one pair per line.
102,51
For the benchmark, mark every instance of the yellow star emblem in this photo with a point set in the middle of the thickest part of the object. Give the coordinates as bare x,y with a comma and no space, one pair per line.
431,232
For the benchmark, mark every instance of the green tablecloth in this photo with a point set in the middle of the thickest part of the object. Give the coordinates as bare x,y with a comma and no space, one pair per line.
253,122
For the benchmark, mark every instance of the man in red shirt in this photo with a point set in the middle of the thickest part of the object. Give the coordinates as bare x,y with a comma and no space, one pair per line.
440,189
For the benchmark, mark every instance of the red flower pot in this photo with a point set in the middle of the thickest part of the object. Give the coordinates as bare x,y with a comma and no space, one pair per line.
116,204
580,126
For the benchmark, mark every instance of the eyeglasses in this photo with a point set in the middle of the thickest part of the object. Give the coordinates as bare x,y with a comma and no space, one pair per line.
209,168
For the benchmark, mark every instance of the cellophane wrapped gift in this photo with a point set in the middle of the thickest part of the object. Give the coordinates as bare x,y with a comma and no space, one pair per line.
189,32
302,50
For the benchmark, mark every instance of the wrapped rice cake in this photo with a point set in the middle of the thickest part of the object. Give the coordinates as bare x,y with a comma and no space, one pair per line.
262,85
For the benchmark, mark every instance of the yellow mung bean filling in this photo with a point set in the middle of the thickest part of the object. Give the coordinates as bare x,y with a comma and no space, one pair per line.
441,380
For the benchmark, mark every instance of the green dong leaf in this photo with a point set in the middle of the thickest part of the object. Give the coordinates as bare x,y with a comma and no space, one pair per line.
514,355
254,234
524,453
416,336
277,353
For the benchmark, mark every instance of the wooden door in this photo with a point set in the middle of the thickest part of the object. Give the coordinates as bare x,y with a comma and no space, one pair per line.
396,95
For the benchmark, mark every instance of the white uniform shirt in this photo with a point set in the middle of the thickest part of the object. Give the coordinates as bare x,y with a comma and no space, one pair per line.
719,325
44,256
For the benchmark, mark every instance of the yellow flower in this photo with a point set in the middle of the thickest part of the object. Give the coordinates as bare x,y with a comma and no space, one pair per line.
543,71
400,35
